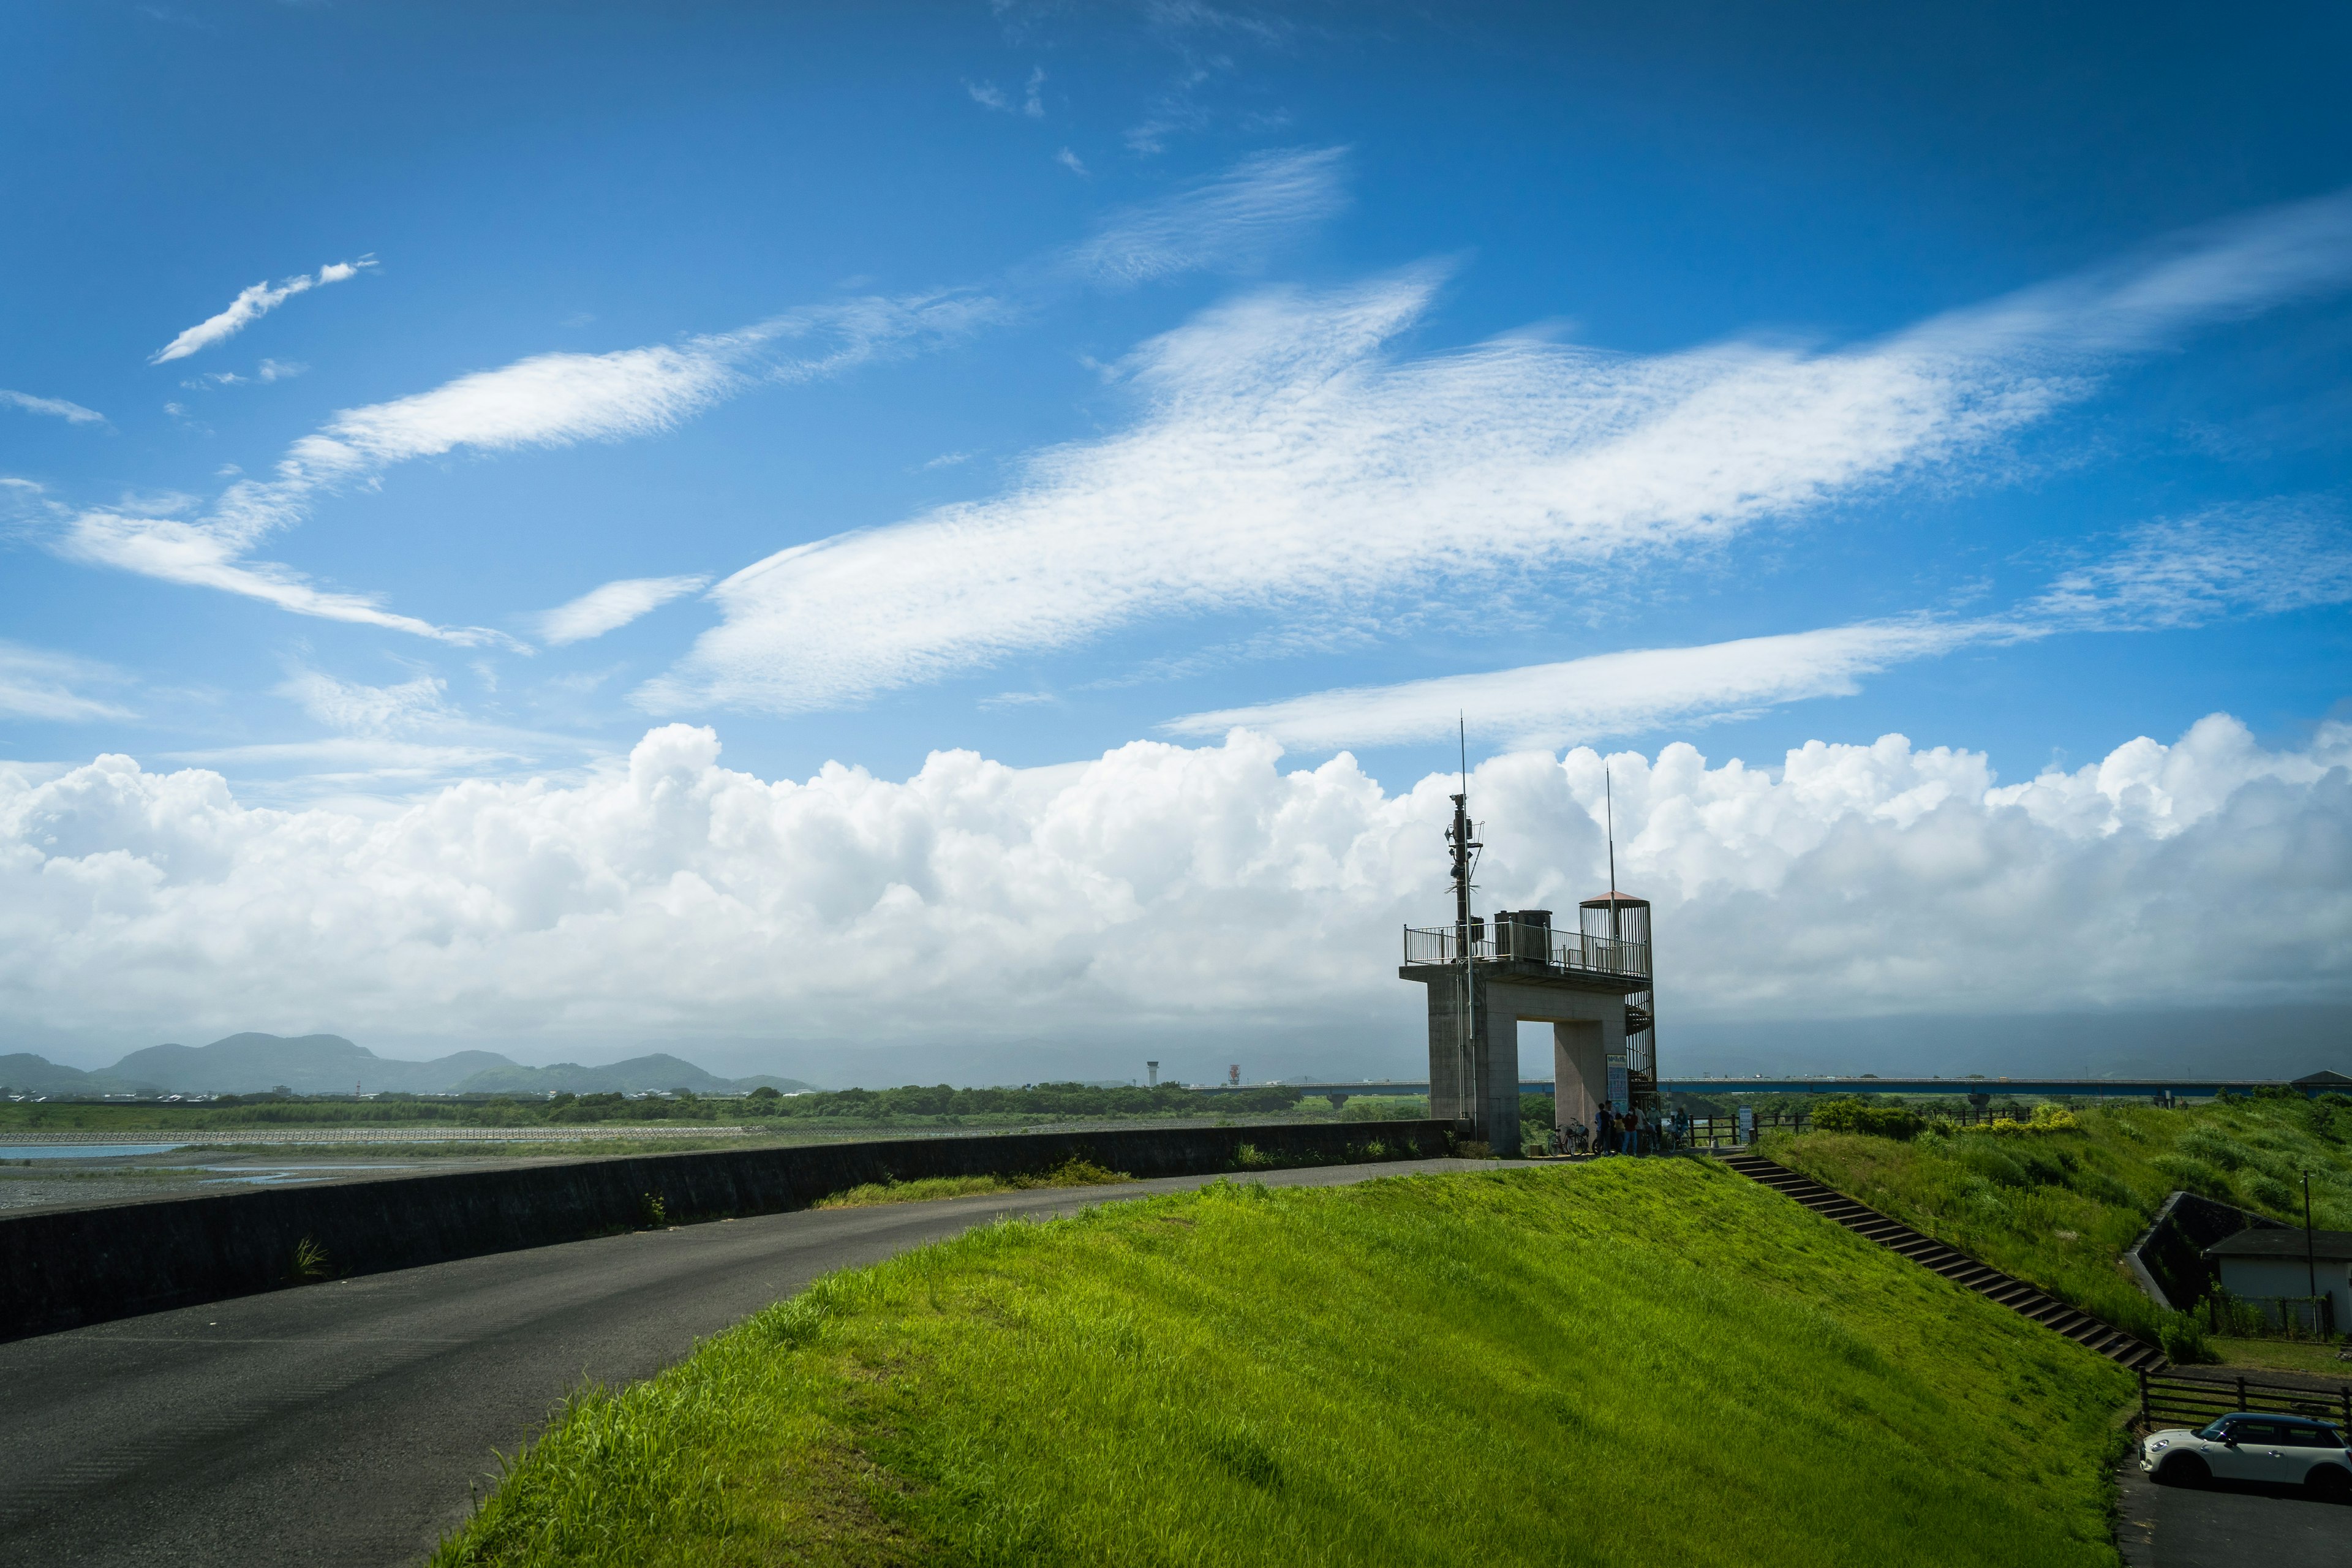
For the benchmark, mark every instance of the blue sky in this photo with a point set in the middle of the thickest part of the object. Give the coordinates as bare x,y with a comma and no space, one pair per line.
1739,376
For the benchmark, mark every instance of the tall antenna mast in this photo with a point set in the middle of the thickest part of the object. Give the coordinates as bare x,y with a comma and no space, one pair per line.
1465,848
1609,805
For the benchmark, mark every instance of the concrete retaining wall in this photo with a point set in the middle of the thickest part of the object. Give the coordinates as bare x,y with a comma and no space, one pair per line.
2168,1260
64,1268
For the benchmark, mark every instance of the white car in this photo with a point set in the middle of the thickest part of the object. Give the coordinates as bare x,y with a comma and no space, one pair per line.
2252,1446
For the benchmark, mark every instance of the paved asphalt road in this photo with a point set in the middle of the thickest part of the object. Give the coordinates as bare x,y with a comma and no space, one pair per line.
2227,1526
346,1424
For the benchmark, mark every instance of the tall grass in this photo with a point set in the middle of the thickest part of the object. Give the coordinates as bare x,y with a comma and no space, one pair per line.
1070,1172
2061,1209
1637,1363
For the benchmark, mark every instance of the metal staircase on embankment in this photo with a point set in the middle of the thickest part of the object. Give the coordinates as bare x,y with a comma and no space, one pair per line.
1951,1263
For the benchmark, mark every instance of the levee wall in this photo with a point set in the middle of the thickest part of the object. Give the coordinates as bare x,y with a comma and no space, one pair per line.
64,1268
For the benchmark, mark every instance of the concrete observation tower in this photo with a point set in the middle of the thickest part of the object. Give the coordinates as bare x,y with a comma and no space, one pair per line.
1592,985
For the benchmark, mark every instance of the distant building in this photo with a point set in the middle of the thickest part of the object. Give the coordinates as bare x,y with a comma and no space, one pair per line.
2267,1265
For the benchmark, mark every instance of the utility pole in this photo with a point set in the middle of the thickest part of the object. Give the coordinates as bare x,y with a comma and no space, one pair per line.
2310,1259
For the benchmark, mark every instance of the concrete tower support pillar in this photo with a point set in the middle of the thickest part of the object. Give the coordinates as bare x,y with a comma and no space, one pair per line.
1449,1071
1479,1088
1580,1071
1582,1043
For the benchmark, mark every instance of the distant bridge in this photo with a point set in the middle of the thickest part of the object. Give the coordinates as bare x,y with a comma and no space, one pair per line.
2082,1087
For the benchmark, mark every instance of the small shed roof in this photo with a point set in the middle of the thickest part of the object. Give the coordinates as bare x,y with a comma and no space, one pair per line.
2315,1080
2335,1245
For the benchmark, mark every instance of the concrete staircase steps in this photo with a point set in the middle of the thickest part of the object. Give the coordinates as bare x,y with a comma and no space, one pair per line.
1943,1258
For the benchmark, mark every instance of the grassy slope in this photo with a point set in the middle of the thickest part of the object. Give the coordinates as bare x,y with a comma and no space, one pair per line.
1650,1362
2060,1209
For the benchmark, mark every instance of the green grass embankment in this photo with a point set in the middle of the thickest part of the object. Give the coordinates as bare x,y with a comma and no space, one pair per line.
2060,1209
1645,1362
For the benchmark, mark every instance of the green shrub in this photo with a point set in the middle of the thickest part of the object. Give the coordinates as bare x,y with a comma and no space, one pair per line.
2224,1314
2181,1336
1848,1114
2044,1119
1385,1108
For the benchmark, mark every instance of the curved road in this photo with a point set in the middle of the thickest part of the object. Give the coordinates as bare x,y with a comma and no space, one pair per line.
349,1423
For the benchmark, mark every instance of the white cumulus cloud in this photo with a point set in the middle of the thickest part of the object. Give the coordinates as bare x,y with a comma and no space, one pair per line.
250,305
1161,886
615,604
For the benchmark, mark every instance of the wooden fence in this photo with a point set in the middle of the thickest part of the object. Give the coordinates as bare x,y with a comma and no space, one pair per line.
2174,1401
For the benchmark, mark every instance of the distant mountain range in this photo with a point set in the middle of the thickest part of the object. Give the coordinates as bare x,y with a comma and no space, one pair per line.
329,1064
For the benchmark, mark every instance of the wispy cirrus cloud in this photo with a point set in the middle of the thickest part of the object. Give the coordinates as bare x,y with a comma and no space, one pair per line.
208,553
1284,458
354,708
36,683
250,305
268,370
58,408
988,95
2259,561
1234,219
612,606
381,742
565,398
546,400
1603,695
2279,555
